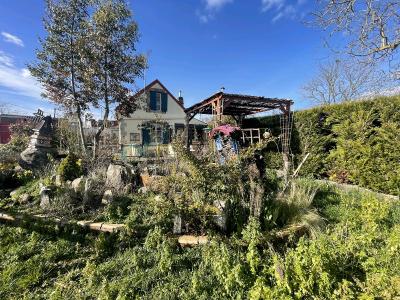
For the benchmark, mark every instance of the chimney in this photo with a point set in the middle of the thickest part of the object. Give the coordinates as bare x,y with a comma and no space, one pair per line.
180,98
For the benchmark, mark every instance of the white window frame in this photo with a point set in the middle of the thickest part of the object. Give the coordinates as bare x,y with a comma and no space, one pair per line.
158,101
156,134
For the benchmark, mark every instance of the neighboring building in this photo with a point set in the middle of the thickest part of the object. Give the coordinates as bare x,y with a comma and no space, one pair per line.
6,120
159,117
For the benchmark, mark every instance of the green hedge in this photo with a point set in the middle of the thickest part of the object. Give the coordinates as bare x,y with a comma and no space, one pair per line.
356,142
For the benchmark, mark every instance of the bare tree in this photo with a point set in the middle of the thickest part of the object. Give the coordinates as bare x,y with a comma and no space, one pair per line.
344,80
371,27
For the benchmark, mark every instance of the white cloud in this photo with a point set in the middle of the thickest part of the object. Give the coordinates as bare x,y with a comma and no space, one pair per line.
216,4
8,37
17,80
272,4
5,59
211,7
281,8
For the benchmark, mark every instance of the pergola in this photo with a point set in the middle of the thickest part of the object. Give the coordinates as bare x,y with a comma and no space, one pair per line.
239,106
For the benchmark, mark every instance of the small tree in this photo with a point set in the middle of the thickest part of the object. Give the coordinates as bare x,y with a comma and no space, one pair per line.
60,67
113,60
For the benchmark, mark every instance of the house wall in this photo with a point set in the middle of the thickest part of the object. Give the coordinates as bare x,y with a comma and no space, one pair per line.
174,115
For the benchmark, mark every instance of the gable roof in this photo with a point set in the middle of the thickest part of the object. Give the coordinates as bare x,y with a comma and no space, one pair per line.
148,87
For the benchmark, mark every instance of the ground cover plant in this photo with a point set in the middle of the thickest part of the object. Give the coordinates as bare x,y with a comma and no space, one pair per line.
356,256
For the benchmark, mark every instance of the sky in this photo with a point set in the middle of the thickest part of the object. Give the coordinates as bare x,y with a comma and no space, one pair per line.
257,47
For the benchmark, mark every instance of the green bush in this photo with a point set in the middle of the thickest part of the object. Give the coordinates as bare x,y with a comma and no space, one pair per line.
70,167
355,142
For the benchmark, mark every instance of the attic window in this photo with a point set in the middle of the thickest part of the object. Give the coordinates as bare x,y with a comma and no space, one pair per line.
158,102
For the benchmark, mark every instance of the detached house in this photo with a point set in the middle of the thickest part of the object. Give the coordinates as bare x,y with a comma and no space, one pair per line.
158,118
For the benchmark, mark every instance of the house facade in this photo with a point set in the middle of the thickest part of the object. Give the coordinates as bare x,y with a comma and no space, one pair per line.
158,118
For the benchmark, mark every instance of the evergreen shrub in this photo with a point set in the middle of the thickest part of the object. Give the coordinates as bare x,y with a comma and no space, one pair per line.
355,142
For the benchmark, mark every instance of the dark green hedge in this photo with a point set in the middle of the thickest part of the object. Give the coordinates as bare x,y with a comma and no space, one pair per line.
356,142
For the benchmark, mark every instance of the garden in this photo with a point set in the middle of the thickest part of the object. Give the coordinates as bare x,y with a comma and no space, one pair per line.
266,238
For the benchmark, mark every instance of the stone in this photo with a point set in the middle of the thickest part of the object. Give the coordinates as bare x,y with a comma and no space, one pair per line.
88,196
107,197
177,229
128,189
78,185
35,156
118,176
45,197
24,198
143,190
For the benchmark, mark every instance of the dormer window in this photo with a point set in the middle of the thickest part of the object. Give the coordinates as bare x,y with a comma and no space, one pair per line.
158,101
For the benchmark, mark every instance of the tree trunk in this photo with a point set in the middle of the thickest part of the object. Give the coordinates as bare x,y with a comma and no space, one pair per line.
80,125
106,112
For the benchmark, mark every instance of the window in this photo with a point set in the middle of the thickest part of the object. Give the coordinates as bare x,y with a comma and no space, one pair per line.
156,133
158,101
135,137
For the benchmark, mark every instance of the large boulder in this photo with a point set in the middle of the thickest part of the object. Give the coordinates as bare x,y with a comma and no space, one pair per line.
118,176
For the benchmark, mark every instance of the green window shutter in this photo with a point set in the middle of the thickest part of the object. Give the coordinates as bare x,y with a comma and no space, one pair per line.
164,102
153,100
145,136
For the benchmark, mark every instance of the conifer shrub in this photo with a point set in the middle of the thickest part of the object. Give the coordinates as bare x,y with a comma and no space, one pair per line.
70,167
355,142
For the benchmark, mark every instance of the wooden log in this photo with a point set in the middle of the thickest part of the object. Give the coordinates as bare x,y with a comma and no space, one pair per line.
192,240
94,226
103,227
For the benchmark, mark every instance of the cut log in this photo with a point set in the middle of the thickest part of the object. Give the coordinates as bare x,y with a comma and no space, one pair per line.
191,240
94,226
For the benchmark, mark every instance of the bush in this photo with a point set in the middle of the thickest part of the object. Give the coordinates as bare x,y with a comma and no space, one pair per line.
70,168
355,142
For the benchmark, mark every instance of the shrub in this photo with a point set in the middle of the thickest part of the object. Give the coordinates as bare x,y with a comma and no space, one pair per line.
70,167
355,142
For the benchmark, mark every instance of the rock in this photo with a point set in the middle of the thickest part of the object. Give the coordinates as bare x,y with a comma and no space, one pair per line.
143,190
45,197
68,183
107,197
58,180
118,176
24,198
88,195
78,185
128,188
177,229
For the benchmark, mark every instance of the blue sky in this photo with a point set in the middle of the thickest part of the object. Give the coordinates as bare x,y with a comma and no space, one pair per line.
258,47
